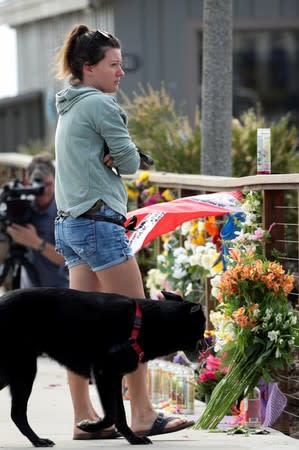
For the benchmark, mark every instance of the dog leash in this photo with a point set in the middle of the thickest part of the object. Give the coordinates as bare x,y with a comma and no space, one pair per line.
135,333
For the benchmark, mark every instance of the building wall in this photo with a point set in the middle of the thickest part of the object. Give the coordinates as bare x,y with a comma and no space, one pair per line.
164,35
38,41
160,39
158,35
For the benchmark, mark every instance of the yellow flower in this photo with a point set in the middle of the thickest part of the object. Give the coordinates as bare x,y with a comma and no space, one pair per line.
197,233
168,195
132,194
209,333
217,268
143,177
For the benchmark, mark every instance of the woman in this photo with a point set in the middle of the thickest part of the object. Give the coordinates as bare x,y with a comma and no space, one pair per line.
95,248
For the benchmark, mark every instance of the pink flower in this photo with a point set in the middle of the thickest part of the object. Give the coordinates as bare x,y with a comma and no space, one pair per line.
153,199
213,363
207,375
259,234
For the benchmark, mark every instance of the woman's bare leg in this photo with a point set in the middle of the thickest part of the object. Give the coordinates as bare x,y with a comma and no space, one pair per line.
126,279
81,278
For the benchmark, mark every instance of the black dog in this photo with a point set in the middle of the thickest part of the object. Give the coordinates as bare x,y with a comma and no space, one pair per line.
105,335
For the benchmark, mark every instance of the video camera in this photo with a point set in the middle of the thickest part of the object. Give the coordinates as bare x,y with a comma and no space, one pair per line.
16,201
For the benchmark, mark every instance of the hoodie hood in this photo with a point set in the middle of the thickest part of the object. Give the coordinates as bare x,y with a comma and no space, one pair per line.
68,97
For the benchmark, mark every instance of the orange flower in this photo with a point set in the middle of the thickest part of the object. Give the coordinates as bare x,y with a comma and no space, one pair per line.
253,308
234,254
238,313
211,226
243,322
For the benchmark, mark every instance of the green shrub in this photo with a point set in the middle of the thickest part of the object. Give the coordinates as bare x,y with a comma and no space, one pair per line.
284,140
163,133
168,137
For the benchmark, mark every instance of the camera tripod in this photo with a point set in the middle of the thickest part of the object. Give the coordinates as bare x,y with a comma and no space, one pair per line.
12,267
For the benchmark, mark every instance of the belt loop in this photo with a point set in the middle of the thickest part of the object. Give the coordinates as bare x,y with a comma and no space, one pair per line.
61,215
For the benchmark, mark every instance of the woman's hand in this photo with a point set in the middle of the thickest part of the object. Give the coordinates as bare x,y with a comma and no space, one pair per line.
108,161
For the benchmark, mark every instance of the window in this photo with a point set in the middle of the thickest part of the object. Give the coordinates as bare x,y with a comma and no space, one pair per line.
265,71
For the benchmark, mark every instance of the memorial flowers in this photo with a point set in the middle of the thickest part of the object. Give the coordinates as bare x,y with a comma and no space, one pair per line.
255,327
181,268
210,369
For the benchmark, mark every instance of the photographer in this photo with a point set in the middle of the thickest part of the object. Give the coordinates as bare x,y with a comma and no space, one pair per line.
38,235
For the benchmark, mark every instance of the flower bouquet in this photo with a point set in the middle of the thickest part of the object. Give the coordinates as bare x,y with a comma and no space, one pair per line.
183,266
254,325
209,373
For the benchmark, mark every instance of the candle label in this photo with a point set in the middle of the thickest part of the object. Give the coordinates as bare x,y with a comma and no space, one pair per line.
263,150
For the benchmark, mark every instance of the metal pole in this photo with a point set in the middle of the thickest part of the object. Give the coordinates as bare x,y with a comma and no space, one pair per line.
216,104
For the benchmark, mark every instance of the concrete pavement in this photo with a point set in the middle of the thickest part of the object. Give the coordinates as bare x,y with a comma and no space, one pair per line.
50,414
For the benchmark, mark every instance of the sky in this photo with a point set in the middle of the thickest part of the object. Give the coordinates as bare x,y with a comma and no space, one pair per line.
8,58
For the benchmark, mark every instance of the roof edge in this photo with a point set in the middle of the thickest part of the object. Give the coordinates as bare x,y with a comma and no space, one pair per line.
19,12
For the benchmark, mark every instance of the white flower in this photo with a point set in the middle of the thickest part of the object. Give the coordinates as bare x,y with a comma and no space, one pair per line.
167,246
209,258
189,289
293,319
273,335
215,281
194,260
185,228
215,318
256,312
241,236
250,219
179,273
278,318
277,353
214,292
154,278
267,315
179,251
161,259
188,245
181,260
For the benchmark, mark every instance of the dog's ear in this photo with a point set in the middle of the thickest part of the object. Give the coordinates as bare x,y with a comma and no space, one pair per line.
171,296
196,308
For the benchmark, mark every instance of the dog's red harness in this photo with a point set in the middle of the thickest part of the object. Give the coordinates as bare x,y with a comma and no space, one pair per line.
135,332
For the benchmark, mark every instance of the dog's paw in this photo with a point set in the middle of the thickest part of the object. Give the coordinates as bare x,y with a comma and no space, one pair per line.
43,443
140,440
90,425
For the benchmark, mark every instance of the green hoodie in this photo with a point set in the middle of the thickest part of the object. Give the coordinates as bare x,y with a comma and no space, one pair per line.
87,117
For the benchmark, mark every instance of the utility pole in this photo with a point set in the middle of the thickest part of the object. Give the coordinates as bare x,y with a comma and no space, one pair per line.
216,106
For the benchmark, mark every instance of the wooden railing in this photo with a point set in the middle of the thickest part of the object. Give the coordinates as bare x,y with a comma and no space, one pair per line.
280,203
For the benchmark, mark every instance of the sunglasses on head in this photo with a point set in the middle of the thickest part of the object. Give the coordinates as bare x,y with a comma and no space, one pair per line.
99,35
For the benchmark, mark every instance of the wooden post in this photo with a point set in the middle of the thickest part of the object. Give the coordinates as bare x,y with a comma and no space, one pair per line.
274,214
209,303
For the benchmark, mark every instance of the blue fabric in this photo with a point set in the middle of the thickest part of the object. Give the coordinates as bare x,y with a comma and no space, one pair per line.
50,274
228,233
100,244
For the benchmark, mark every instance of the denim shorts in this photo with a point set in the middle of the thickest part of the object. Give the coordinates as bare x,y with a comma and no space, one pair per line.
99,244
